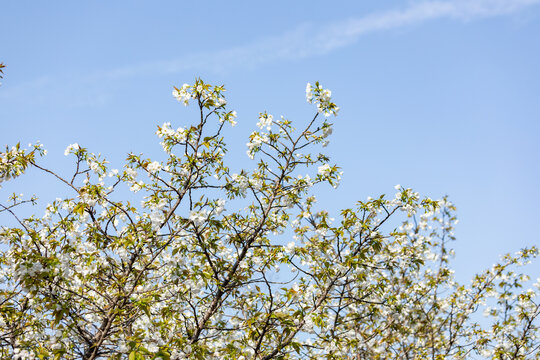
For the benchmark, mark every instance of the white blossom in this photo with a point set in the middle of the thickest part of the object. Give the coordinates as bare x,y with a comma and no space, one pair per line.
182,94
153,167
324,170
265,120
71,148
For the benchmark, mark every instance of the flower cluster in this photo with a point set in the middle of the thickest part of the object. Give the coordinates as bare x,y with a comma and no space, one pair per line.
322,98
153,167
265,121
15,160
72,148
183,94
256,140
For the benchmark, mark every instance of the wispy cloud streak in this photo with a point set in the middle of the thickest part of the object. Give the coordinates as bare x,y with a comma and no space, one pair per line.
305,41
308,40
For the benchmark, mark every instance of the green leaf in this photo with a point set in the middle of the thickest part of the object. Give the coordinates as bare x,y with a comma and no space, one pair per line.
79,208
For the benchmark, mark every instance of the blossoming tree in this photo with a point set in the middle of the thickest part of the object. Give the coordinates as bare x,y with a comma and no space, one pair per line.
187,265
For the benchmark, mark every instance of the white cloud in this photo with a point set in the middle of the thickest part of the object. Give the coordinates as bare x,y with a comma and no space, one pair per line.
303,42
308,40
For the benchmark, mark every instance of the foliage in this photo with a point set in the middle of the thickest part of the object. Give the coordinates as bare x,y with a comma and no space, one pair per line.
2,66
201,269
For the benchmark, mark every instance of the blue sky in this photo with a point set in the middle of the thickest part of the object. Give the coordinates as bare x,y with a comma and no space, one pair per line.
441,96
